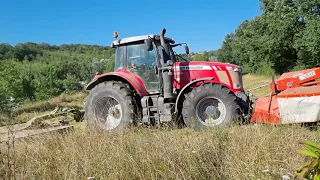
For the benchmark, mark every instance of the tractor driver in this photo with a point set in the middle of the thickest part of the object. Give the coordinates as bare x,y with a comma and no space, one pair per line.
139,58
142,63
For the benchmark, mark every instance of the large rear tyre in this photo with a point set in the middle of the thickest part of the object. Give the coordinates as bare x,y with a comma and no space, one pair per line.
210,105
109,107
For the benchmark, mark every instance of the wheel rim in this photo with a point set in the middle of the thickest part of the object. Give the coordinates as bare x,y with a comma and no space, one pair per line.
211,111
108,112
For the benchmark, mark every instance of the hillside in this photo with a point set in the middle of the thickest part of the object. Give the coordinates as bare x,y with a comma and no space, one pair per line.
32,72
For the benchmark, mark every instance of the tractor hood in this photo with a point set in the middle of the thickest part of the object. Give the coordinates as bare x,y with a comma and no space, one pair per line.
229,75
205,65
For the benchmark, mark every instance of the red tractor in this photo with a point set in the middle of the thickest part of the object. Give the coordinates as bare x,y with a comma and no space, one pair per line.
150,86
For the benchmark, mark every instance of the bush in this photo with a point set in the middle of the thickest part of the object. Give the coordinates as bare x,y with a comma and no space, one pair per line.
311,168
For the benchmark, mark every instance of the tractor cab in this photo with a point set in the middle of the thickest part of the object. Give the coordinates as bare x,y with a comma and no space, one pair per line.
144,56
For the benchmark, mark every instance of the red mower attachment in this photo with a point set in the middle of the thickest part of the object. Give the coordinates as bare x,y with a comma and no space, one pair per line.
295,98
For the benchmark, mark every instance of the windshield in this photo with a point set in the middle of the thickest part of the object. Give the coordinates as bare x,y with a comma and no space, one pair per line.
138,55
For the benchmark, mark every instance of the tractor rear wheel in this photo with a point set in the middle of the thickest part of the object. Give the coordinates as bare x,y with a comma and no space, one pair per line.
109,106
210,105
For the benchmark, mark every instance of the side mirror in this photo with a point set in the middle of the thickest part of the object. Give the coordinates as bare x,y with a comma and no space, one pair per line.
148,44
186,49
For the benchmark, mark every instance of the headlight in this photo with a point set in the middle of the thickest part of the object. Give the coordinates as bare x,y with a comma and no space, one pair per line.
237,86
229,68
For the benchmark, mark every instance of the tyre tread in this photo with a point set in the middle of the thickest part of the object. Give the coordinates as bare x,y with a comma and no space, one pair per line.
189,104
126,98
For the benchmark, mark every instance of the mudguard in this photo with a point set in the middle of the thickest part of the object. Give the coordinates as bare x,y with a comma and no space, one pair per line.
120,75
187,86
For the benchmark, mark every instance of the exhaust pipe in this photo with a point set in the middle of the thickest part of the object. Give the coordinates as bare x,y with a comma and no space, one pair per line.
166,69
163,43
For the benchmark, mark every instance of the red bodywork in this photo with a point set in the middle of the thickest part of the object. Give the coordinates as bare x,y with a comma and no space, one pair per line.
126,75
296,84
184,72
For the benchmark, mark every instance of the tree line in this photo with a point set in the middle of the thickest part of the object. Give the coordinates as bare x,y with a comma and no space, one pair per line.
285,37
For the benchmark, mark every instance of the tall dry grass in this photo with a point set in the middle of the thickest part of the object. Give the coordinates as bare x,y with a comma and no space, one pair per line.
237,152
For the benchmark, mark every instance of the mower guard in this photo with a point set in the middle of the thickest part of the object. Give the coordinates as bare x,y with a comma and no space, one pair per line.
293,105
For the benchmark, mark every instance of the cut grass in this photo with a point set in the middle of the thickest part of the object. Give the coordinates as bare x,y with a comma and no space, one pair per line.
65,100
26,111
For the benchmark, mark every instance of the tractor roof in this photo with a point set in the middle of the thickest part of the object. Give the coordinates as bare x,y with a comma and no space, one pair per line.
137,38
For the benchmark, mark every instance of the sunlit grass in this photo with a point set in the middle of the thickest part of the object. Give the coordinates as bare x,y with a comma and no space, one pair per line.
253,81
238,152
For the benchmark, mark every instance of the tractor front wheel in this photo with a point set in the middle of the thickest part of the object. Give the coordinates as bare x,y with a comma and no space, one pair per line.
210,105
109,106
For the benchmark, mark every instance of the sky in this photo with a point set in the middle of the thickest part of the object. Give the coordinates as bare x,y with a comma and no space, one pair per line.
202,24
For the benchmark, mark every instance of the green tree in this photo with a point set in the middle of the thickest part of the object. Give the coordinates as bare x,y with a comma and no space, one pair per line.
283,38
200,57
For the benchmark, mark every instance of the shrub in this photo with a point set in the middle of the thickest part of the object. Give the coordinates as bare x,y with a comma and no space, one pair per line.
311,168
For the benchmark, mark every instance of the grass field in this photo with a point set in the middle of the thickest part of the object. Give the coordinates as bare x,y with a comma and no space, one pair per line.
236,152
